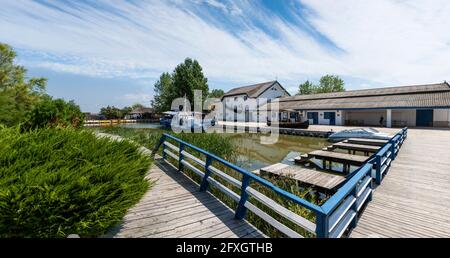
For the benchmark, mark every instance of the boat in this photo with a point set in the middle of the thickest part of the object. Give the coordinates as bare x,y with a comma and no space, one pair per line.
186,121
289,124
166,119
367,133
289,118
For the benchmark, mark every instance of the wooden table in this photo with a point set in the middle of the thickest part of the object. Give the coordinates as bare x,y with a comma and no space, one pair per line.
346,159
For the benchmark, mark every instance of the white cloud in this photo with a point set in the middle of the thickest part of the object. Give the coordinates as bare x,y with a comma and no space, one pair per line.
383,42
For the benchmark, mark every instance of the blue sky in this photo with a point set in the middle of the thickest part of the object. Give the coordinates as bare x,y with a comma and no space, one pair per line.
111,52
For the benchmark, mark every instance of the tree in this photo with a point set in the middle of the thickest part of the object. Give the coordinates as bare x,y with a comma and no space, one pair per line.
125,111
187,77
17,94
330,83
327,84
306,88
49,113
163,93
216,93
111,112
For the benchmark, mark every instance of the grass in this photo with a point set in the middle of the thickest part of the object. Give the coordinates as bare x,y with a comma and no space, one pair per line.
55,182
222,146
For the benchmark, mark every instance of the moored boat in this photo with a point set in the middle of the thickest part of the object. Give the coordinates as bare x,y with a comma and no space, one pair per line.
367,133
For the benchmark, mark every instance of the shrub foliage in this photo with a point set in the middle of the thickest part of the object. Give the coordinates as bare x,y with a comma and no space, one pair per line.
55,182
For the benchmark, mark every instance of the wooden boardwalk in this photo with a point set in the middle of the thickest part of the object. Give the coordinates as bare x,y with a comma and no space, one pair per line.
174,208
308,176
414,198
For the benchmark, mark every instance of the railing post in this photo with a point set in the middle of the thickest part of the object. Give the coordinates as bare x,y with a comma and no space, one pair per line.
355,208
204,185
378,169
393,150
322,225
180,157
163,139
241,209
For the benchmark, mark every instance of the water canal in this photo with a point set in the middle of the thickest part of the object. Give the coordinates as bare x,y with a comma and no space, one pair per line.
252,154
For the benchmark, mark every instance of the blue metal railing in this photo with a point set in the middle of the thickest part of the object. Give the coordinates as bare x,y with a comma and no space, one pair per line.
338,214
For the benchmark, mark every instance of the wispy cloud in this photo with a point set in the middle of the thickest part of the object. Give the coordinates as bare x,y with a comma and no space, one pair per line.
381,42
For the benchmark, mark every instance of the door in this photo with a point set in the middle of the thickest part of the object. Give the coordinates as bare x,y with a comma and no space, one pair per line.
247,114
314,116
424,117
235,114
331,116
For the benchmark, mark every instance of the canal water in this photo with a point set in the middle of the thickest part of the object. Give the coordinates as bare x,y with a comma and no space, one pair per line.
252,154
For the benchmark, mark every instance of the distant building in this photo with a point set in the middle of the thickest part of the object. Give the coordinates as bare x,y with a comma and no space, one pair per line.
415,106
141,113
241,103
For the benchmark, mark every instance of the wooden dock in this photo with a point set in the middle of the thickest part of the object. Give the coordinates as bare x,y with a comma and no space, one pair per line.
307,176
174,207
346,159
373,142
414,198
353,147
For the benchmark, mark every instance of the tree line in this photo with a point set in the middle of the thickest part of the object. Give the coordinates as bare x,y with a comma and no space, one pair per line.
24,101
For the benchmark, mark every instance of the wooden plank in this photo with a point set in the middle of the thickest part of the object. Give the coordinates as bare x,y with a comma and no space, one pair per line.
305,175
356,147
293,217
414,197
339,213
275,223
365,141
175,208
355,160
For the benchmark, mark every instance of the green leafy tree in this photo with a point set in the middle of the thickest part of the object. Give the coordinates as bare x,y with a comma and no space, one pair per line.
187,77
327,84
216,93
330,83
111,112
306,88
125,111
163,93
50,113
18,95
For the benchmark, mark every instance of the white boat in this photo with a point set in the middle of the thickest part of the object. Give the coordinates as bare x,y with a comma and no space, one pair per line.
186,121
368,133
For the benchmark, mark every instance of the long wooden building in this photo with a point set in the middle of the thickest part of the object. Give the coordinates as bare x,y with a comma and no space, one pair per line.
413,106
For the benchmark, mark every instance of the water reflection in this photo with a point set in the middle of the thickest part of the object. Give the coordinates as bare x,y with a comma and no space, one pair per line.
254,155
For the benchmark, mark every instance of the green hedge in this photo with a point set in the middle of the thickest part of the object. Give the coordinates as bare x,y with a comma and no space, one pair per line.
55,182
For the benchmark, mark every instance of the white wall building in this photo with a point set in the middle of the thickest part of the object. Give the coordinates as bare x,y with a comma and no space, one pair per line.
240,104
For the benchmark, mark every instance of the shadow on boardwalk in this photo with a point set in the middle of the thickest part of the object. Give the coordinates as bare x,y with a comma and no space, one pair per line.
173,207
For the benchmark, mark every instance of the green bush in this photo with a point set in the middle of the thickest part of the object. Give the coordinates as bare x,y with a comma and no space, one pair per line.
50,112
55,182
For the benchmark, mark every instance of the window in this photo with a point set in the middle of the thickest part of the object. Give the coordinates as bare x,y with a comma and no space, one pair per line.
235,98
245,97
